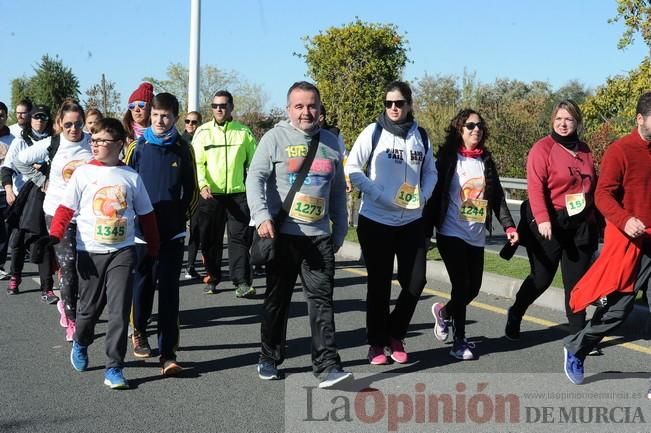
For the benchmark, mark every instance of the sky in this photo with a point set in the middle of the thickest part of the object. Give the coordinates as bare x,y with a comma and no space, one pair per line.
551,40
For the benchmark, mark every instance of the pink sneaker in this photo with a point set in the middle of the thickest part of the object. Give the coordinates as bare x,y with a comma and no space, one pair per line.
63,320
376,355
70,330
398,353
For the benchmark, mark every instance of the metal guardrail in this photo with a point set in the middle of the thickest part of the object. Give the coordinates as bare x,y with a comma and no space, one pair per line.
512,183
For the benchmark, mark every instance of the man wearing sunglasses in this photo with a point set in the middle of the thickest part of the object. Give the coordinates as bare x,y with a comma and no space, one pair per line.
224,148
22,117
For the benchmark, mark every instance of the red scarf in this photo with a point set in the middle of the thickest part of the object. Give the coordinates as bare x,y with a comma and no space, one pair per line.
471,153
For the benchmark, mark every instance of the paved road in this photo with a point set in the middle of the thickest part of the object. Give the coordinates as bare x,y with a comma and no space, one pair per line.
220,391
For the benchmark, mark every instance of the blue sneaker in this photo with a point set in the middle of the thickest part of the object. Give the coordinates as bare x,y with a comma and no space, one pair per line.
79,356
267,370
114,379
335,375
573,367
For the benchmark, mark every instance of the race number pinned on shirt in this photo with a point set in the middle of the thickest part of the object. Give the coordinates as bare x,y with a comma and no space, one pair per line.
473,210
110,230
307,208
407,197
575,203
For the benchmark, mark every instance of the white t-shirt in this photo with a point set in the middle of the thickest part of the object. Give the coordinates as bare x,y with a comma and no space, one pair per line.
68,157
15,130
106,201
467,211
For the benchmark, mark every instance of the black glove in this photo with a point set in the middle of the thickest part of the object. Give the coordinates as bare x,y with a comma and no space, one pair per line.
40,246
146,264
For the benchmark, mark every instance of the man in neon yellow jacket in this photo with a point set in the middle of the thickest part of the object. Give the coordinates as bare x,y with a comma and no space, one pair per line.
223,150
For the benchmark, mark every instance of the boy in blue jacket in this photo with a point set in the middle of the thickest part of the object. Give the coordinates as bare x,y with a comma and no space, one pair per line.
166,165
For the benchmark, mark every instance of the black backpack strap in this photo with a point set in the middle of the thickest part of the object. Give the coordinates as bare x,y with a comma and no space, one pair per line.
375,138
55,141
424,137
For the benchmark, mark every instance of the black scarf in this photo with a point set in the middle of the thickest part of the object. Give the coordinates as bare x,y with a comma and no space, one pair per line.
400,129
4,131
570,142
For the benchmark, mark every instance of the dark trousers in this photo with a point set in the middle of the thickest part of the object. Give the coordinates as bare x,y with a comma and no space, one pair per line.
19,243
66,256
215,214
311,257
4,230
608,318
164,276
544,258
465,266
380,245
194,240
105,280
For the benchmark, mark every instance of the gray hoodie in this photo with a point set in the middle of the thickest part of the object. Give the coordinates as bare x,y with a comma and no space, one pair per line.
322,197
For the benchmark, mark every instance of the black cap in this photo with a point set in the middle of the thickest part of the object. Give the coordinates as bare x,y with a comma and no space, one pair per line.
40,109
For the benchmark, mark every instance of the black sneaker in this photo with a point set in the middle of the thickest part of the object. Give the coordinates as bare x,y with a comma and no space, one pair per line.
210,289
49,297
512,329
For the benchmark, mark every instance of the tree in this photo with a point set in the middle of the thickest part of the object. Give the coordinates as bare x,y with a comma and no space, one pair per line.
52,83
351,65
636,15
247,97
104,97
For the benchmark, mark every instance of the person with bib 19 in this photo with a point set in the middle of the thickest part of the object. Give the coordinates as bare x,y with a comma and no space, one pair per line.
399,178
560,223
467,192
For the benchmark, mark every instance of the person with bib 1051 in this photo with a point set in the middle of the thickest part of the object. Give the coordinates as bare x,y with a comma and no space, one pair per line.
399,178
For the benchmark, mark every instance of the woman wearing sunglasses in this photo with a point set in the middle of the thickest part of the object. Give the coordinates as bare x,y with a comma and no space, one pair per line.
399,178
63,152
467,194
560,223
136,118
39,128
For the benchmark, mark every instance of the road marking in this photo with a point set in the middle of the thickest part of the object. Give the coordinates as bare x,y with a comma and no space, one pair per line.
503,312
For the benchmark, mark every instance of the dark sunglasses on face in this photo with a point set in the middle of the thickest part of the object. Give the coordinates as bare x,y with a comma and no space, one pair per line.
140,104
43,117
78,124
220,106
191,122
399,103
471,125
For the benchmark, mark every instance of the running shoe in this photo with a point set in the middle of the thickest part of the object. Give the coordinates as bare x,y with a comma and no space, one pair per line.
14,283
441,326
573,367
79,356
70,330
462,349
376,356
244,291
398,353
335,375
114,379
191,274
210,289
49,297
4,275
169,367
141,348
267,370
63,319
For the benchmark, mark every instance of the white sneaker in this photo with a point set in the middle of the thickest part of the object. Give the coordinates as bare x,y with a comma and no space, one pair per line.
441,327
4,275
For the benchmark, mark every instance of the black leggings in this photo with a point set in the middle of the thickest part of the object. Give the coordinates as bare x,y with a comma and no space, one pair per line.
465,266
544,258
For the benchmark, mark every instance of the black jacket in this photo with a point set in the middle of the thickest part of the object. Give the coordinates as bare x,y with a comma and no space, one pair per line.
437,206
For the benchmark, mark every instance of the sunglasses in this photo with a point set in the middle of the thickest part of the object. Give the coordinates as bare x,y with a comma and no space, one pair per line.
101,142
471,125
78,124
219,106
140,104
191,122
399,103
43,117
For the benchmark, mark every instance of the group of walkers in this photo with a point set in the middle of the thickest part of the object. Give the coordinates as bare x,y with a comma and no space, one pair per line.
108,211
